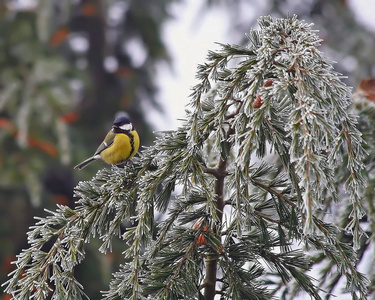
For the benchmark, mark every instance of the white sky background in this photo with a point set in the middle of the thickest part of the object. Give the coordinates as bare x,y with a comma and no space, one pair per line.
189,37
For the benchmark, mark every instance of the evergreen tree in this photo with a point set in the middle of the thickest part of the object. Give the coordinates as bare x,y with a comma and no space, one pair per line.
247,188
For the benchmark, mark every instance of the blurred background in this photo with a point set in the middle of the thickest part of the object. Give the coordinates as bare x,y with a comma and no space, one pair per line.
67,67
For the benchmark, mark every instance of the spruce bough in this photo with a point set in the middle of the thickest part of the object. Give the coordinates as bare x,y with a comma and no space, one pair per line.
245,186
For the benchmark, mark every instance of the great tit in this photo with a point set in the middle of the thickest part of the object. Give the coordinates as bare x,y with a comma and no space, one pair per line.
120,144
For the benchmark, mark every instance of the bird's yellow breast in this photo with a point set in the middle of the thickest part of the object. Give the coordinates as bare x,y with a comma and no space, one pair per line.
123,148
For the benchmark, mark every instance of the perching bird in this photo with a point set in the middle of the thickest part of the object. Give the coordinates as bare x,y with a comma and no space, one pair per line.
120,144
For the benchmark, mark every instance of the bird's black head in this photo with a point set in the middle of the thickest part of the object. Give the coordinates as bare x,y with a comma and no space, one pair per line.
122,124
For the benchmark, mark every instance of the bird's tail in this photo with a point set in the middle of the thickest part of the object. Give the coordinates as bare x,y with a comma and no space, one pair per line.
85,163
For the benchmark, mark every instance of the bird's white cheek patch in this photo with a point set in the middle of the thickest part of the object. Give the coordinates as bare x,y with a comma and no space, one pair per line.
127,127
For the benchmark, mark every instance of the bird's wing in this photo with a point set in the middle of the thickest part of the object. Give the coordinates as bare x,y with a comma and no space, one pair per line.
108,140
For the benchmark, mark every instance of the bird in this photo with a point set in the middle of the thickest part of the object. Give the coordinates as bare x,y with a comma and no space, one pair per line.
120,144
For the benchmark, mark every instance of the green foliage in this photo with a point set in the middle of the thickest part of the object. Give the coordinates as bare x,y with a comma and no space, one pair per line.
35,92
242,182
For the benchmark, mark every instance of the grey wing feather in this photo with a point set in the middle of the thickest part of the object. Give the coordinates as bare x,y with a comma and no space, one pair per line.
108,141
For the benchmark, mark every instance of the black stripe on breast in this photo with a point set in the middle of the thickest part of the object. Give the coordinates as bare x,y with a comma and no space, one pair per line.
131,137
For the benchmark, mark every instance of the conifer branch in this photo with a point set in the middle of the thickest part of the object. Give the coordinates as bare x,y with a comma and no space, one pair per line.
273,192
